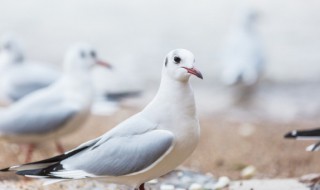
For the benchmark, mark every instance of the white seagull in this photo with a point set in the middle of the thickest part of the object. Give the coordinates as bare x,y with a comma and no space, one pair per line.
19,77
145,146
56,110
242,58
311,134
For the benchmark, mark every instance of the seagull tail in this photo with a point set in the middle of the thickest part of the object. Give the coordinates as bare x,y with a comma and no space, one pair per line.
118,96
42,169
52,181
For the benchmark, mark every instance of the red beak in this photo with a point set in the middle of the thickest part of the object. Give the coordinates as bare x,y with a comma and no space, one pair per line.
194,71
104,64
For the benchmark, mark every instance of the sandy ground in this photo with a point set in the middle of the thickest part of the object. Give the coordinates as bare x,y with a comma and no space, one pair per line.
225,148
290,184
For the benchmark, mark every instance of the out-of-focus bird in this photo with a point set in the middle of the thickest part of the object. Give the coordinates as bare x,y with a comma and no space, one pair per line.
242,58
56,110
145,146
312,134
111,93
20,77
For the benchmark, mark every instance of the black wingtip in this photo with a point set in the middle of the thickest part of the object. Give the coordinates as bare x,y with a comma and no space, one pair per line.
291,135
5,169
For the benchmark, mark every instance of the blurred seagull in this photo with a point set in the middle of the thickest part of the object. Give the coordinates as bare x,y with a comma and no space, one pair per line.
312,134
147,145
111,93
242,58
19,77
56,110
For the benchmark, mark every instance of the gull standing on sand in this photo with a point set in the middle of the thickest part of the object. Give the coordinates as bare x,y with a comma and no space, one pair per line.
243,58
145,146
19,77
311,134
56,110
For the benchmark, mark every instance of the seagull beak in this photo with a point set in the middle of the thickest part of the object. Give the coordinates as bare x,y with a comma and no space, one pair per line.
194,71
104,64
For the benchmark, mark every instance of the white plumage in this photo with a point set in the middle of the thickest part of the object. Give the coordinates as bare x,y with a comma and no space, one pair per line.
145,146
56,110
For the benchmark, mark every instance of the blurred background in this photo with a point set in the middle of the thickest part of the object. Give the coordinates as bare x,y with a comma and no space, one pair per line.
136,35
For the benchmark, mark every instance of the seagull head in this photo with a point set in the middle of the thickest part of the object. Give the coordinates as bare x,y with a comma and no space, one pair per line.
10,49
82,57
179,65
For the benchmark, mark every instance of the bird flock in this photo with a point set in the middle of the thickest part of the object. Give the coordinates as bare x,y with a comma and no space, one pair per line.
44,104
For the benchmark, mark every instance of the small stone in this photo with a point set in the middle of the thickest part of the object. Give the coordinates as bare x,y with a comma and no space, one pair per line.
222,183
209,186
195,186
246,130
166,187
154,181
248,172
179,174
209,174
185,179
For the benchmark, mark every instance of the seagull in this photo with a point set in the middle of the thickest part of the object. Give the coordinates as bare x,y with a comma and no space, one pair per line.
312,134
56,110
242,58
19,77
111,93
147,145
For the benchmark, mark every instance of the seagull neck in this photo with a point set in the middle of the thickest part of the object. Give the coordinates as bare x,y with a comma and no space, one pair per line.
77,80
169,85
172,91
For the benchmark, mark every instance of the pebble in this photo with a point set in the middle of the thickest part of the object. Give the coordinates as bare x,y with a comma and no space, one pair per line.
195,186
154,181
222,183
248,172
167,187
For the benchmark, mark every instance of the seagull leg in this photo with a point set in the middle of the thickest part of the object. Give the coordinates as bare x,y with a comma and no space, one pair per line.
30,148
141,187
59,147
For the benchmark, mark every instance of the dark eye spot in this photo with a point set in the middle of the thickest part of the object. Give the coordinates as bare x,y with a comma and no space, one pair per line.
93,54
177,59
166,62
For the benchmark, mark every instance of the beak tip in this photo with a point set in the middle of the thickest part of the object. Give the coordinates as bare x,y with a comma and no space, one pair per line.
104,64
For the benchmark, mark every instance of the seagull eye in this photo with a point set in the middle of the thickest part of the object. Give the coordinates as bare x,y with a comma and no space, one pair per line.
93,54
177,59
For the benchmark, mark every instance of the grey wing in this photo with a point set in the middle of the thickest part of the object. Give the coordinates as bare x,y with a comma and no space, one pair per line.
25,80
18,91
118,156
38,117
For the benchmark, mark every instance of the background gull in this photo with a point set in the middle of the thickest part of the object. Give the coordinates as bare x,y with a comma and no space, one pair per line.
242,58
56,110
18,76
145,146
311,134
